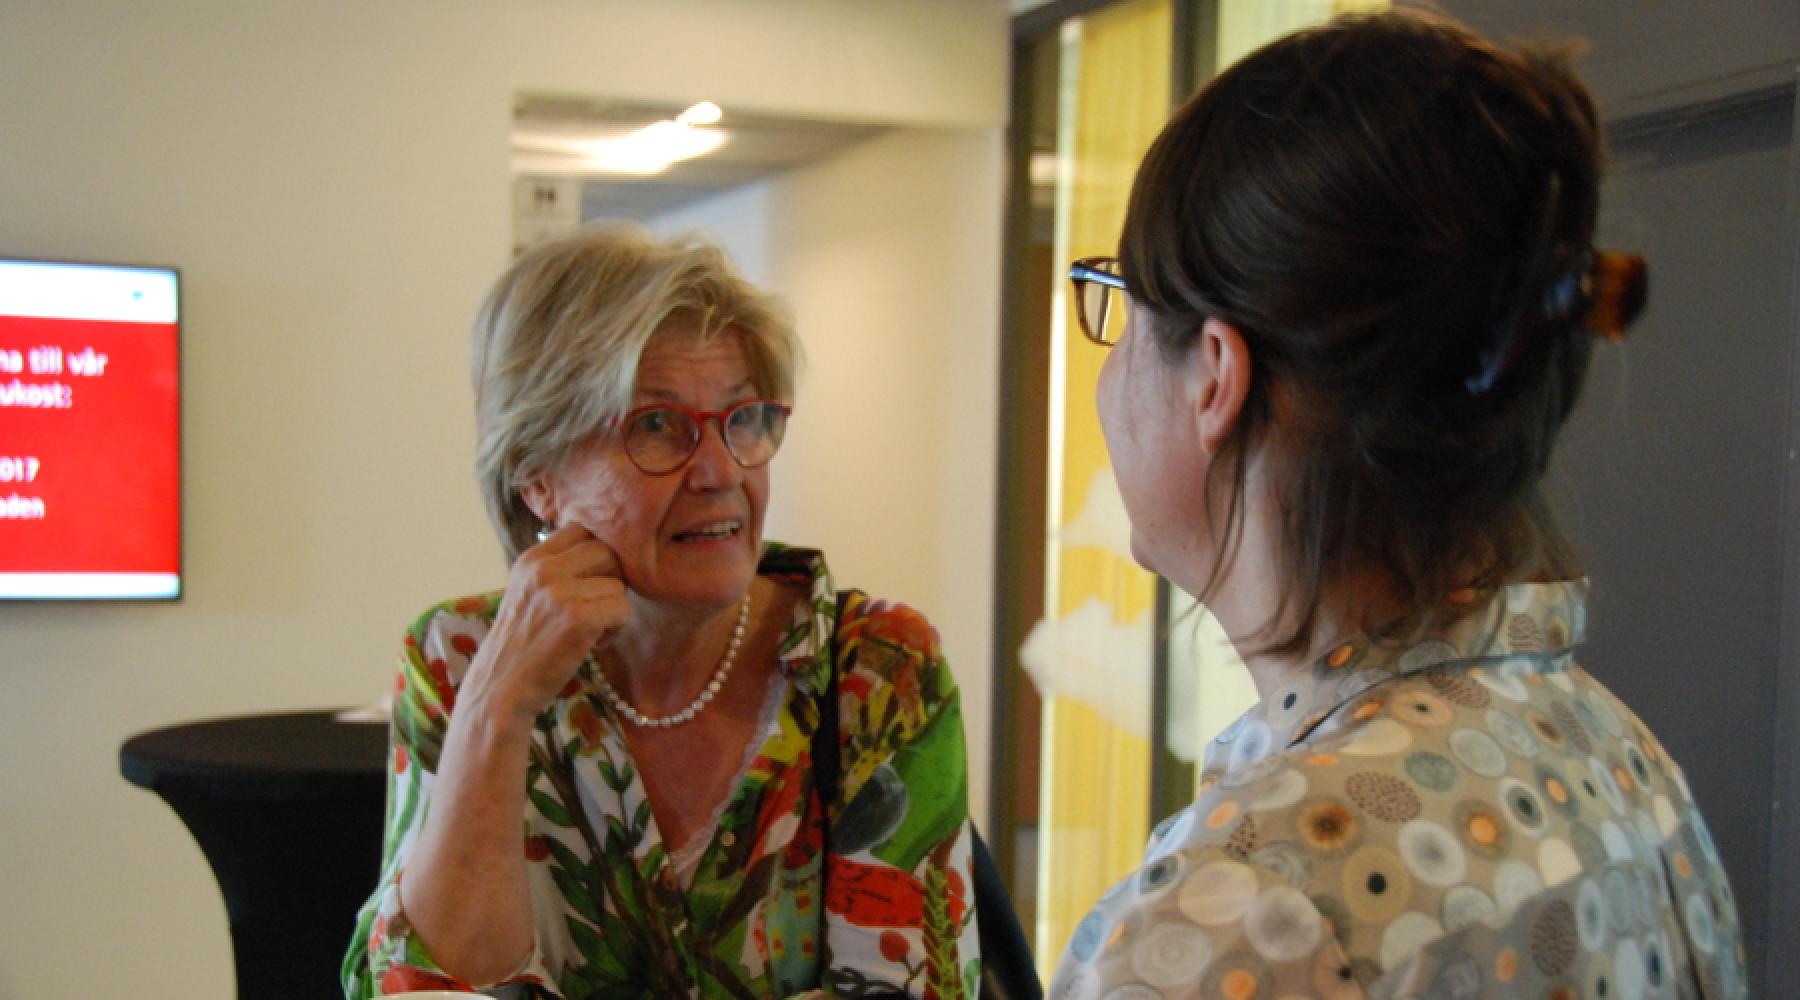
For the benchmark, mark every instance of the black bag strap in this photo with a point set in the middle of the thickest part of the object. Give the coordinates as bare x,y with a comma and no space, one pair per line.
825,736
1008,971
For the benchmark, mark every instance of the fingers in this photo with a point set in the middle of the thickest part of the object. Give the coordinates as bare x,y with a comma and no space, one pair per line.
563,538
563,600
580,550
575,551
602,600
571,583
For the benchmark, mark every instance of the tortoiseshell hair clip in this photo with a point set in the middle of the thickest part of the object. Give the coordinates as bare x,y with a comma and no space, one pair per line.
1602,292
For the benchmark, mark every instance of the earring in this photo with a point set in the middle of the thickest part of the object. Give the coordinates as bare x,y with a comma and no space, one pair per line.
545,530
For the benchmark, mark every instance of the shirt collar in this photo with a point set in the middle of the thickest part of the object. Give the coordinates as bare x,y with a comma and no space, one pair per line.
805,645
1526,626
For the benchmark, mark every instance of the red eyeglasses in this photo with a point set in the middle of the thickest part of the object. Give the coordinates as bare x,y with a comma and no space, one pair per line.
661,437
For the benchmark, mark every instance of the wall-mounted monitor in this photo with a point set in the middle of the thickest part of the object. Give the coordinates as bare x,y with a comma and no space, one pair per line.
90,431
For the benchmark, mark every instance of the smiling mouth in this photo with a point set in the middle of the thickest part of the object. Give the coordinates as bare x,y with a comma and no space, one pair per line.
714,532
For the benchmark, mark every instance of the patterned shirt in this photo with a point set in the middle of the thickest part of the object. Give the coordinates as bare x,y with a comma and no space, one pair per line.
1470,816
611,918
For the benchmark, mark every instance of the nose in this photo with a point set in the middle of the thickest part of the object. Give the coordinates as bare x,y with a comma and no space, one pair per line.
712,467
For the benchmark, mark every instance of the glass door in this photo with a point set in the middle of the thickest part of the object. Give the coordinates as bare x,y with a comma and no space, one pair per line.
1109,682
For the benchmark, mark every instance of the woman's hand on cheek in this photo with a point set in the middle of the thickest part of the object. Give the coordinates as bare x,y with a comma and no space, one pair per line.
563,597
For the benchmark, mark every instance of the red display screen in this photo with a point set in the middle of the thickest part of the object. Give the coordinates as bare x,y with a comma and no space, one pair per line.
90,432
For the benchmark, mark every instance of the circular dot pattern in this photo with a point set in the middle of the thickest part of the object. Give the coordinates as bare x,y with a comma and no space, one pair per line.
1169,954
1484,788
1383,796
1572,727
1377,885
1478,752
1432,853
1464,905
1282,924
1422,708
1458,690
1482,829
1432,771
1243,838
1328,826
1553,941
1287,861
1524,634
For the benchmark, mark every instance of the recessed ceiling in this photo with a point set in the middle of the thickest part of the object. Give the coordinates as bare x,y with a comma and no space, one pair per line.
756,146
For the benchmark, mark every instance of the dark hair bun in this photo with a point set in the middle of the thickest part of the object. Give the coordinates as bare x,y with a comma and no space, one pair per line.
1398,216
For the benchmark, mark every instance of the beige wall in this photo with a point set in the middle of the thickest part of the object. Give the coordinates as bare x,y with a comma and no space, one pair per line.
332,179
888,255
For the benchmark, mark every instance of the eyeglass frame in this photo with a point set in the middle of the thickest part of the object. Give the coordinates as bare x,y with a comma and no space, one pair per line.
1083,272
700,418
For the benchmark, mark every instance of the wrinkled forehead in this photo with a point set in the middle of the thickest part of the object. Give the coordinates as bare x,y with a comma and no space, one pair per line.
686,354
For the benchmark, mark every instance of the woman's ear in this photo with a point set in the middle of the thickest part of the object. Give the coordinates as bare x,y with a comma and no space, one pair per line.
1222,363
540,498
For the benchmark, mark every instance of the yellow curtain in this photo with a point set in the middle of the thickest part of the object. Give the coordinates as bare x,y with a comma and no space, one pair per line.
1095,769
1245,25
1095,774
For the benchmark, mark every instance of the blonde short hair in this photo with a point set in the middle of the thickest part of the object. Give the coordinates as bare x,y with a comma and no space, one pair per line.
555,346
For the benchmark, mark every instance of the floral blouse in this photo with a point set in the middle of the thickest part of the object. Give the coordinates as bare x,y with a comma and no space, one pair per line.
1471,816
777,903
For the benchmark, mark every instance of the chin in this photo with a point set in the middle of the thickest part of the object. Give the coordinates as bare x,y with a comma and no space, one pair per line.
1141,552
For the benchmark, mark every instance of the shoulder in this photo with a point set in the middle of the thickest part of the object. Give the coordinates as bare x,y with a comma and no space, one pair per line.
887,643
872,621
475,610
446,635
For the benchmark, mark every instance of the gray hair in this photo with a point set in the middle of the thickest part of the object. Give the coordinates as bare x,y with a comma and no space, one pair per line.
554,351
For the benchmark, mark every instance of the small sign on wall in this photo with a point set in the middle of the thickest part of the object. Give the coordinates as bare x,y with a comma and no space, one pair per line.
544,208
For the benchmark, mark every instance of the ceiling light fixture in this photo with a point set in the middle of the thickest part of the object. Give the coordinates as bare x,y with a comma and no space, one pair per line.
651,149
641,152
704,113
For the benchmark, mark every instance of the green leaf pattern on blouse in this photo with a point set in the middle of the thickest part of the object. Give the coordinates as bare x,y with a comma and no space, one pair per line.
758,920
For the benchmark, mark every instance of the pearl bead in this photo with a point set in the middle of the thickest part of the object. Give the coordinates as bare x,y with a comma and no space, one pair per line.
705,696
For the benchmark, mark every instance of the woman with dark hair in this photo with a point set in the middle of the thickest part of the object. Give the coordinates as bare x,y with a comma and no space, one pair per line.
1353,307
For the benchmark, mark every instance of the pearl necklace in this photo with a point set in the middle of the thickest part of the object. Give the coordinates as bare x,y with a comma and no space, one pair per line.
707,693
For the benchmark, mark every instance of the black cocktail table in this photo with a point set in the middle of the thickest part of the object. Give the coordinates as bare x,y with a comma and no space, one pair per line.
288,811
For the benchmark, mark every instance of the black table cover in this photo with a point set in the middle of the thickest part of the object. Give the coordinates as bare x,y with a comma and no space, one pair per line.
288,811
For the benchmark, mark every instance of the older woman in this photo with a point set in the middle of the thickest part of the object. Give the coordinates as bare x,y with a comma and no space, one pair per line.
603,780
1354,304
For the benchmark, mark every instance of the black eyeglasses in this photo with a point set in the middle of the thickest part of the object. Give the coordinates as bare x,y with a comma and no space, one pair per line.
1099,298
660,438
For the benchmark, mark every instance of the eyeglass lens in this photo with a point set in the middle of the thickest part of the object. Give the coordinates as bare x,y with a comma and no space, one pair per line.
1102,311
661,439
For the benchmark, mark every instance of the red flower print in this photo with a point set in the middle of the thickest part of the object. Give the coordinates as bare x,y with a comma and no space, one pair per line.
894,946
587,722
906,683
400,760
901,626
781,797
537,848
400,978
953,881
440,679
874,896
470,605
463,644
